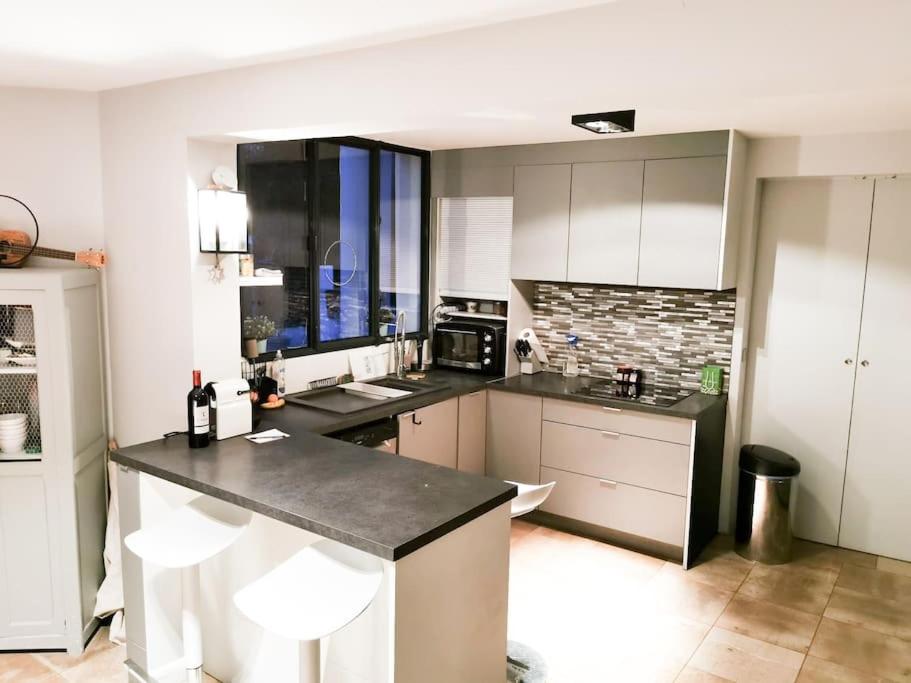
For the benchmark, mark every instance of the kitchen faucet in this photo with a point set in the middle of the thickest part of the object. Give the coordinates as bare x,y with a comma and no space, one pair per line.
399,346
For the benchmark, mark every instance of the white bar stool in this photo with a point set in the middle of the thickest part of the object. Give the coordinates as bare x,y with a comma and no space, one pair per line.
310,596
182,540
529,497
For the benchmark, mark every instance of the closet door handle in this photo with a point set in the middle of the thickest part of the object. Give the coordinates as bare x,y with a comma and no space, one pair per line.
849,361
865,363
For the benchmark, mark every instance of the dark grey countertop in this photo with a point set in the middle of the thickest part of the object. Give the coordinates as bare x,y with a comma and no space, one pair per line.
378,502
452,383
555,385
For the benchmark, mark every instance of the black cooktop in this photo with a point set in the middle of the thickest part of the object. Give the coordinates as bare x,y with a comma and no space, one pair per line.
649,394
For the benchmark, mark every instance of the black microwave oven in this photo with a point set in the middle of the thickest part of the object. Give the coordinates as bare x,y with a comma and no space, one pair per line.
473,346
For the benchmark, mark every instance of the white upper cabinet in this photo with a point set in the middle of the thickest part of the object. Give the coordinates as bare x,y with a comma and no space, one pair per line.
681,242
474,247
540,232
604,217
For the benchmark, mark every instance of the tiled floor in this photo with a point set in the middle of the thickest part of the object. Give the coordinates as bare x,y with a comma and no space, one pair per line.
600,613
102,662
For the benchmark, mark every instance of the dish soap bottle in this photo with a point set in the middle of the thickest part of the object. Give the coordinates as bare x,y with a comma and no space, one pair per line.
571,366
278,372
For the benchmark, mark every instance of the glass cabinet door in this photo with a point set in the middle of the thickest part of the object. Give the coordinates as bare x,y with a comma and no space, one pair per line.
20,420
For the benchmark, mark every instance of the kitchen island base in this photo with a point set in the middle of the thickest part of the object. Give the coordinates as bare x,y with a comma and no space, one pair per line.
440,612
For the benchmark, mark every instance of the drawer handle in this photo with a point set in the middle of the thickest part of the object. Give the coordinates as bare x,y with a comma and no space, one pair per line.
611,409
612,435
607,483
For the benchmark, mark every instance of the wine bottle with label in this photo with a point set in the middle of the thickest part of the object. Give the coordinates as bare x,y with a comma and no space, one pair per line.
198,413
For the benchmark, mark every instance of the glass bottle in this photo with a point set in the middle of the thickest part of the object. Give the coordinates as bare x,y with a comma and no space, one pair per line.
278,372
571,366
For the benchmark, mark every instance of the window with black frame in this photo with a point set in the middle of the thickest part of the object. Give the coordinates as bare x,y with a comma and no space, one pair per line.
345,221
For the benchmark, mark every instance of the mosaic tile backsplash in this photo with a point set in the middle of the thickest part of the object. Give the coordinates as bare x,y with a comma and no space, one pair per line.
668,333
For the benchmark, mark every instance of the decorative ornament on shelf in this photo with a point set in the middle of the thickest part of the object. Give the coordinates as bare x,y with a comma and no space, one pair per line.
222,219
257,330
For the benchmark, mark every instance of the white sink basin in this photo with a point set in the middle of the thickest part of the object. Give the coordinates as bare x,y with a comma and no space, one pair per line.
373,391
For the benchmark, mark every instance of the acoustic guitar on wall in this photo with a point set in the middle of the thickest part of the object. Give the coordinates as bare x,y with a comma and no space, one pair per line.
16,247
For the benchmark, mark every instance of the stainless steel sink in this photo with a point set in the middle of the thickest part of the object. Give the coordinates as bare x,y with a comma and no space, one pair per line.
342,400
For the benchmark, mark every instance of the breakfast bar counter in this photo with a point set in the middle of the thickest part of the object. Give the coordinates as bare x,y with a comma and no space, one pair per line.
442,537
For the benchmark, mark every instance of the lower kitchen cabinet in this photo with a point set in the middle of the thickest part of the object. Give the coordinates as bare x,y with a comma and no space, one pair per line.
628,509
514,436
645,480
31,603
431,433
653,464
472,432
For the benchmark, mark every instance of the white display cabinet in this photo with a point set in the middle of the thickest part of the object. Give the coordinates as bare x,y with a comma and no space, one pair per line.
52,457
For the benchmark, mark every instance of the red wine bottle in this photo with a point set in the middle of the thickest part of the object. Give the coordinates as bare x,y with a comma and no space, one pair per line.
198,413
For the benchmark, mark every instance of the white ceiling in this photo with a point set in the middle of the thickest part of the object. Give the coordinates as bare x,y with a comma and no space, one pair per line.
103,44
495,72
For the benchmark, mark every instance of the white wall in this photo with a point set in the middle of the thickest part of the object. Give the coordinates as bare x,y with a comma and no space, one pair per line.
50,158
215,306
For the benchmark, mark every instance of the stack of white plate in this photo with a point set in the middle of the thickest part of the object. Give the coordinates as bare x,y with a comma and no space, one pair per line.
13,431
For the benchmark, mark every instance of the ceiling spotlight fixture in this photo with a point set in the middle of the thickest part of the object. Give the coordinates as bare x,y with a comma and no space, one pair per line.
607,122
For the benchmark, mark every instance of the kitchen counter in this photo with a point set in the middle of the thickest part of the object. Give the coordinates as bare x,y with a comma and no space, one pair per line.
323,422
380,503
555,385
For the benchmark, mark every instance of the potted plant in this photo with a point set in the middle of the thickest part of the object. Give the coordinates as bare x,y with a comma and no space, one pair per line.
257,330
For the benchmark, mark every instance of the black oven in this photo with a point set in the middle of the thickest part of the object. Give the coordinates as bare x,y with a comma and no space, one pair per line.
473,346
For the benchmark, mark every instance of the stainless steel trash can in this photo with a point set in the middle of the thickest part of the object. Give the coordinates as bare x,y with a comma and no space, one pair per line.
765,504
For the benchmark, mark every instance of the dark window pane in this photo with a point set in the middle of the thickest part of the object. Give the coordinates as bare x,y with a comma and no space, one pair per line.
400,240
344,242
274,177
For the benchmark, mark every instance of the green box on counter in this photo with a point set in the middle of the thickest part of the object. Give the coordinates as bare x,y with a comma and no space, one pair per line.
712,379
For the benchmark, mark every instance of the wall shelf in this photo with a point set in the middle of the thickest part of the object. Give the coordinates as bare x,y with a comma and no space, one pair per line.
483,316
260,281
18,370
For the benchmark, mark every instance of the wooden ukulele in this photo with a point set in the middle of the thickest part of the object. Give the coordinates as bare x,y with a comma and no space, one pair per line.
16,247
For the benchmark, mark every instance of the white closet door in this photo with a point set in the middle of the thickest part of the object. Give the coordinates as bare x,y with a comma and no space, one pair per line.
807,297
876,516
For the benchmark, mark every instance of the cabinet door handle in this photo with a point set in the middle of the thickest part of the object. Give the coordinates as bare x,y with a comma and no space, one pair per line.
612,435
611,409
865,363
849,361
607,483
413,415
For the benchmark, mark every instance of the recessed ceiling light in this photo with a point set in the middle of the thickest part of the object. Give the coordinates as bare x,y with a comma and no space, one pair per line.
607,122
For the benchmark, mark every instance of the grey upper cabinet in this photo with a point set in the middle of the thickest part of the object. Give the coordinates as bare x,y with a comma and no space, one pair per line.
604,217
682,222
540,231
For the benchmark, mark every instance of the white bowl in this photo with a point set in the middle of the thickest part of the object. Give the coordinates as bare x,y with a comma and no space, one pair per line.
13,429
7,418
10,436
5,353
9,424
12,446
